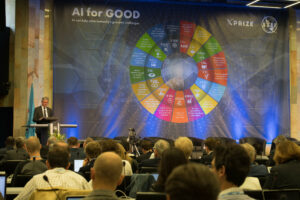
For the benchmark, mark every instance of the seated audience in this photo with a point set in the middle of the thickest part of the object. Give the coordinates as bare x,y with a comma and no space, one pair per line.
231,164
9,145
57,174
19,153
192,181
170,159
209,145
111,145
146,147
185,145
275,142
86,141
35,165
106,175
45,148
286,173
125,157
256,170
75,150
159,148
92,151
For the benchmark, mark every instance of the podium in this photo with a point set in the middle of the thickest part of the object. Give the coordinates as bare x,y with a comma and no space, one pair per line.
49,122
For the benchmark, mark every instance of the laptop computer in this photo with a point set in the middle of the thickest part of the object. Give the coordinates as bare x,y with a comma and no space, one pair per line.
2,184
77,165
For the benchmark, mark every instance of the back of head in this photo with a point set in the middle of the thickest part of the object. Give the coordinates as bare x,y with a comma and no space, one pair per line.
160,146
10,141
109,145
58,155
33,144
235,160
51,140
108,168
192,181
285,151
185,145
146,145
72,141
211,143
20,141
92,149
171,158
250,150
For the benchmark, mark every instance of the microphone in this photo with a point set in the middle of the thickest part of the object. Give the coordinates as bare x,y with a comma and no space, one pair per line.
45,177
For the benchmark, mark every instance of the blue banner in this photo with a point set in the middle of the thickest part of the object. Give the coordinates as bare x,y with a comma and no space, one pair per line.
170,70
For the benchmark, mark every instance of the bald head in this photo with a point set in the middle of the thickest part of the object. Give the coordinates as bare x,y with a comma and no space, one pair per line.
108,168
33,144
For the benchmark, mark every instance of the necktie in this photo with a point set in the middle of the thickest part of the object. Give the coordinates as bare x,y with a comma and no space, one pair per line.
45,111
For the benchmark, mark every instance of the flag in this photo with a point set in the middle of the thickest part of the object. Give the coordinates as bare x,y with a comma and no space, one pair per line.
30,131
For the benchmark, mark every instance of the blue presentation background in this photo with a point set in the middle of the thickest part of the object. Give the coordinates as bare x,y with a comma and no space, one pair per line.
91,72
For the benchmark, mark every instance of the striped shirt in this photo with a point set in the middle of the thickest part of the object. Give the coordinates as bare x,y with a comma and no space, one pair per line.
58,177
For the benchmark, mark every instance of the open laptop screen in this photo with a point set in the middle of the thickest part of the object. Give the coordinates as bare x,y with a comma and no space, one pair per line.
77,165
3,184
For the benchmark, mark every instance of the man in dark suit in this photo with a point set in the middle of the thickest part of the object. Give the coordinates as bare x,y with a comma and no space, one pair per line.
40,114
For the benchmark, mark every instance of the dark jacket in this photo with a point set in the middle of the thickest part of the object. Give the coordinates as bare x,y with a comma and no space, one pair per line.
284,176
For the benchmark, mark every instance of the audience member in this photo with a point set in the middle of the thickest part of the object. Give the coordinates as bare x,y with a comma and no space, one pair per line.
275,142
106,175
35,165
159,148
231,164
57,174
111,145
171,158
9,145
255,169
92,151
209,145
185,145
44,150
146,147
86,141
75,150
19,153
192,181
125,157
286,173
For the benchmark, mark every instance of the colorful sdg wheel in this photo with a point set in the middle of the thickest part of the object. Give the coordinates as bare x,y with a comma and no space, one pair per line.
178,72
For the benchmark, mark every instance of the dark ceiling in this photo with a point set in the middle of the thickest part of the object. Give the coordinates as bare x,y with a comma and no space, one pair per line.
271,3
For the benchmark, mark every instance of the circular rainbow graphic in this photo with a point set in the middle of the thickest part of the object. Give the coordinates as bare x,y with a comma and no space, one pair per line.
178,72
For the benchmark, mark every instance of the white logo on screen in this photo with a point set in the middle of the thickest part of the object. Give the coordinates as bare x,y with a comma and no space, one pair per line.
269,24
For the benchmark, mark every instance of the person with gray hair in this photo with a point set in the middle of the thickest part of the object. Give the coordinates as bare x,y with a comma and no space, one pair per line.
159,147
185,145
45,148
40,114
106,175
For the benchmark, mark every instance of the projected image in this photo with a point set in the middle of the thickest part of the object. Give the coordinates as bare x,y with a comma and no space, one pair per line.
178,72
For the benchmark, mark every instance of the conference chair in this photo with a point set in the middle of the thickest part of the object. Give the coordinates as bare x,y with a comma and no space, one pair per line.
255,194
282,194
258,143
10,166
150,196
21,180
150,170
225,140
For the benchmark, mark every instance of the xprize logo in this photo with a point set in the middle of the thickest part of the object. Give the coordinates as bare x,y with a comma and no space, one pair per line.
269,24
240,23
